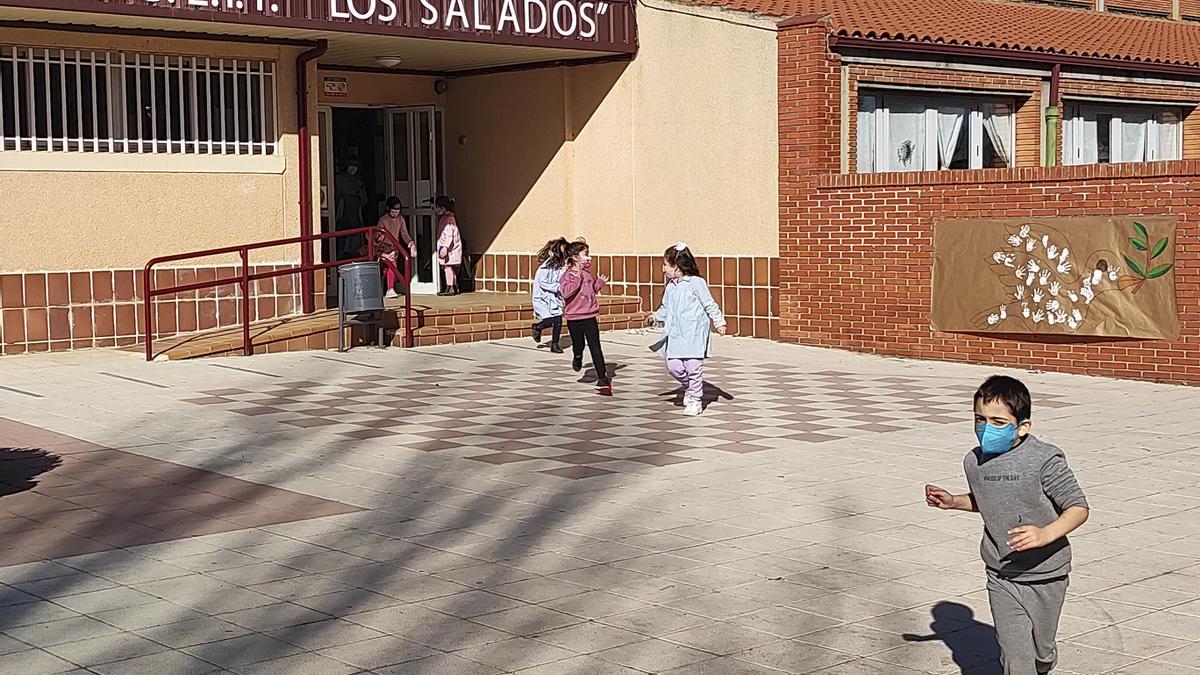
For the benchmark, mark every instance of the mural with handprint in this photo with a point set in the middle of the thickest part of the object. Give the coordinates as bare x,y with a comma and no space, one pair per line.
1100,277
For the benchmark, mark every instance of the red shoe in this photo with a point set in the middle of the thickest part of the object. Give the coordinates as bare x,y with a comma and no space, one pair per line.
604,388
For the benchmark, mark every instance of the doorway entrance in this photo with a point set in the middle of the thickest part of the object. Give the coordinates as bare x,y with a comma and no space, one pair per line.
393,152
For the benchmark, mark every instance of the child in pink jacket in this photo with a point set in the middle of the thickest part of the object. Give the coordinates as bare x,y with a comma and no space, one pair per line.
580,309
449,244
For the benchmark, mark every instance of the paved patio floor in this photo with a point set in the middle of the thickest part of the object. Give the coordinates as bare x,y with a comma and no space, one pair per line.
480,509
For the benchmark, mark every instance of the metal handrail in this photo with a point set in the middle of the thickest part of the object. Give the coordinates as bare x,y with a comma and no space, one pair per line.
245,278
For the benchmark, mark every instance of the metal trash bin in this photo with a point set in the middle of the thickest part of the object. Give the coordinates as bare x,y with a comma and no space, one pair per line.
360,293
361,288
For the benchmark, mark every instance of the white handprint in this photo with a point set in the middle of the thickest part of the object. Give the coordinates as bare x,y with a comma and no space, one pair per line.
1113,272
1055,288
1024,231
1014,240
1052,252
1029,279
1019,272
1065,253
1038,294
1077,315
1072,296
1064,267
1051,318
1053,305
998,257
1088,294
1046,241
1029,245
1073,323
1025,309
1003,312
1097,276
1044,277
1038,316
993,319
1032,266
1060,317
1008,259
1019,294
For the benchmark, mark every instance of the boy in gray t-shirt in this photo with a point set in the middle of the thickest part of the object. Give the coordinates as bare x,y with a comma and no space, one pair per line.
1030,502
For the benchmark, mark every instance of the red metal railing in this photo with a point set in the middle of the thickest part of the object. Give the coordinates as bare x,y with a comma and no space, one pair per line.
246,277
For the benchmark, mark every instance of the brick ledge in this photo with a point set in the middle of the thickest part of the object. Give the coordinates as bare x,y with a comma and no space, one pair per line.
1039,174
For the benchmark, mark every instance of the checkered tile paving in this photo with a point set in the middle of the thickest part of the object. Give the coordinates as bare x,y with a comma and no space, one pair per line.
550,417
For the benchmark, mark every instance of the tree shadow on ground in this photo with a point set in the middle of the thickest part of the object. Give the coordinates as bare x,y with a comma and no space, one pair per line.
971,641
20,468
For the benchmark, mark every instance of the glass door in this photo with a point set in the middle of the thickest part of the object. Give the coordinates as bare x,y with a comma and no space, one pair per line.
415,137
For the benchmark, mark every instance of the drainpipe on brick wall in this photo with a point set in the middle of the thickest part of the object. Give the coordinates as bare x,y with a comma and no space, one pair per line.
1053,117
307,301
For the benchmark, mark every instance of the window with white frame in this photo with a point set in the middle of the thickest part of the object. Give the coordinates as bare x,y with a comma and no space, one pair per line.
929,132
1099,133
67,100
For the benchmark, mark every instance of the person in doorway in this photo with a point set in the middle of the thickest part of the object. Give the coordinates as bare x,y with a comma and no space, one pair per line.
547,297
580,308
350,193
449,243
392,221
1030,501
687,309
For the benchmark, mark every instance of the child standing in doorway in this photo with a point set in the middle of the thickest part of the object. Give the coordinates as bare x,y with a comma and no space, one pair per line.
547,296
687,309
580,308
1030,501
449,243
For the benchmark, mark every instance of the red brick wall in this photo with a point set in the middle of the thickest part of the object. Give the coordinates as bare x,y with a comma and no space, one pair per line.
59,311
746,288
856,249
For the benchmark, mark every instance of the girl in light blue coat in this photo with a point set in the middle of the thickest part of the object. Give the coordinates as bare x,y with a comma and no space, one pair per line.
547,298
687,308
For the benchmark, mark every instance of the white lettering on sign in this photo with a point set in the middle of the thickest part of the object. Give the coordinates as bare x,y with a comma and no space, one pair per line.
565,18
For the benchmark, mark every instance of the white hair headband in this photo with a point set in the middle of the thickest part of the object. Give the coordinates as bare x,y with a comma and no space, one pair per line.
680,246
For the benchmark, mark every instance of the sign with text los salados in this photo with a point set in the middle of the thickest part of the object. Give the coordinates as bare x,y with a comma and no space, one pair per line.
596,25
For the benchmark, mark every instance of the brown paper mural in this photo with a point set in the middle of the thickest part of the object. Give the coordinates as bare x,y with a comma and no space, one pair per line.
1110,277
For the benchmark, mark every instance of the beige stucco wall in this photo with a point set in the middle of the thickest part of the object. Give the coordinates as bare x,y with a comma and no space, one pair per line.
681,143
67,211
379,89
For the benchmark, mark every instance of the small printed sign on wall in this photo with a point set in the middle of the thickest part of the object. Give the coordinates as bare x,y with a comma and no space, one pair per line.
336,87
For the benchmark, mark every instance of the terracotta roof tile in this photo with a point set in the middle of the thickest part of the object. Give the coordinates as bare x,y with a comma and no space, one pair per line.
992,23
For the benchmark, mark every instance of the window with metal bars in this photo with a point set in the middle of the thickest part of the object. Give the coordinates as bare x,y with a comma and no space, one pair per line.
67,100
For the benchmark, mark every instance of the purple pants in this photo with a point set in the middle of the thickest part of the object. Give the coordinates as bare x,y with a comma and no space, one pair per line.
690,374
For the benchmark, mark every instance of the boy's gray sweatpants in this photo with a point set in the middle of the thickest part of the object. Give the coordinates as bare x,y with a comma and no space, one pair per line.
1026,616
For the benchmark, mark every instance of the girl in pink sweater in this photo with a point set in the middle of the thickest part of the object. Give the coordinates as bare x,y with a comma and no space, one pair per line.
580,309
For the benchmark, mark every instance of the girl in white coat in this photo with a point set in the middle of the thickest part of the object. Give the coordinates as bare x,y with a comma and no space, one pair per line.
687,309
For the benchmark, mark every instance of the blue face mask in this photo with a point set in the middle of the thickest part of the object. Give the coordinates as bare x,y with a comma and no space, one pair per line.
995,440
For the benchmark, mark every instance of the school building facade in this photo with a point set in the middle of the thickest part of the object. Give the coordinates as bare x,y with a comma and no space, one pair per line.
803,148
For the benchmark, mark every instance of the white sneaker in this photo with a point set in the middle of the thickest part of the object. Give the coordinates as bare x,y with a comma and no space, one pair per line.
391,294
692,406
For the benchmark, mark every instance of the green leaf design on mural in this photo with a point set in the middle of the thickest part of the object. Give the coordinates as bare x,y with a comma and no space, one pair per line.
1133,265
1159,271
1137,243
1159,248
1141,230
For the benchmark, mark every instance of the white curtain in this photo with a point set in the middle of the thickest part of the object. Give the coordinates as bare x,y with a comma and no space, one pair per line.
949,128
906,136
1085,139
1168,135
997,122
865,135
1133,136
